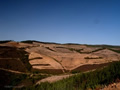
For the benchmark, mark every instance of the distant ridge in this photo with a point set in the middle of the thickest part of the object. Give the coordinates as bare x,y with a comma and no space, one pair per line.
31,41
5,41
94,45
89,45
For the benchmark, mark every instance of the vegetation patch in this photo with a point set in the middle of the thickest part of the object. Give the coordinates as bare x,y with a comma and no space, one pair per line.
30,80
12,64
40,64
60,47
117,51
31,41
49,49
97,50
5,41
91,51
9,80
77,50
104,46
85,81
82,52
13,58
36,58
89,67
93,57
48,71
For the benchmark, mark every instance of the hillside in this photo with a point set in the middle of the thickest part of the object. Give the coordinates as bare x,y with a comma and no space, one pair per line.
68,57
34,58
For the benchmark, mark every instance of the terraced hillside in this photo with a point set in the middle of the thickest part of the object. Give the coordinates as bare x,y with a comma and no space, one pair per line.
29,57
68,57
15,69
61,58
14,59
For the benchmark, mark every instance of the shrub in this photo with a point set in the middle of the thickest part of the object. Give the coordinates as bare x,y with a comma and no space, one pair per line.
84,81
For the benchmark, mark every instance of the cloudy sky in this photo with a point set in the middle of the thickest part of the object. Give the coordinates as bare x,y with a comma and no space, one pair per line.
61,21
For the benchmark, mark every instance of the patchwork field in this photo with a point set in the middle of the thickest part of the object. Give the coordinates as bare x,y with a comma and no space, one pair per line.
33,58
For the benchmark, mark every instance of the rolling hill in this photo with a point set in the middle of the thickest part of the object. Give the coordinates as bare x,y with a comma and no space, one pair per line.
30,58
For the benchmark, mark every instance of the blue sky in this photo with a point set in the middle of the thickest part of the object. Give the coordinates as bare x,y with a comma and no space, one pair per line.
61,21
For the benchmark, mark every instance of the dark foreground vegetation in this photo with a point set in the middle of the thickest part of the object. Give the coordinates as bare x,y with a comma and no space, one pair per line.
84,81
14,59
9,79
48,71
15,69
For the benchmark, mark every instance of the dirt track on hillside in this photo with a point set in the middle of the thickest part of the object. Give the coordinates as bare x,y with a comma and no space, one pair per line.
54,78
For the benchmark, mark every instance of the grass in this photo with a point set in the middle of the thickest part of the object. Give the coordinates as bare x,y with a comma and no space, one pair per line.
84,81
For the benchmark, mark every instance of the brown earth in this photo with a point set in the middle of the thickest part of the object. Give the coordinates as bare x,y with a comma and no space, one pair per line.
53,58
13,59
54,78
69,57
65,57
